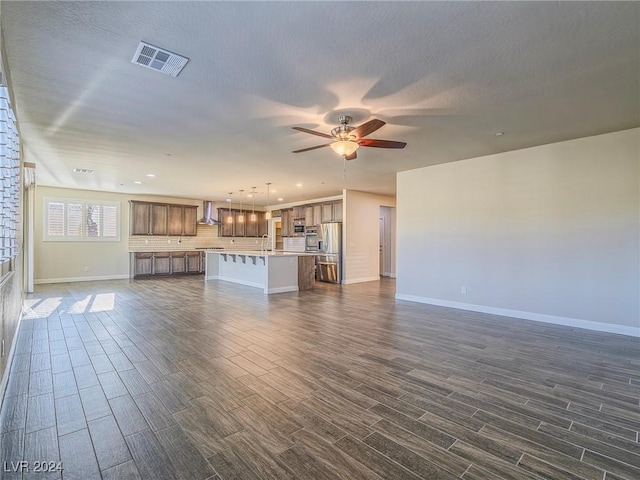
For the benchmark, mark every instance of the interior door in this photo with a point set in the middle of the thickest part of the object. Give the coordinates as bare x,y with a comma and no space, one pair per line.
381,243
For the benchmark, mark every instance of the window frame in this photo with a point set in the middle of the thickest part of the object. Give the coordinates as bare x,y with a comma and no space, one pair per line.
83,237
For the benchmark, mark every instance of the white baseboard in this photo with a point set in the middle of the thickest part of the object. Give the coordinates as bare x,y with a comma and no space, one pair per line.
41,281
536,317
282,289
363,279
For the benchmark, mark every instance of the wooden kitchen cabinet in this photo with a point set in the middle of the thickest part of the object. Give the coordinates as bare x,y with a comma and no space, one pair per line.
244,229
226,227
168,263
298,213
337,211
287,223
251,228
143,263
327,212
140,218
159,219
162,263
178,262
317,214
175,220
240,227
162,219
308,215
182,220
190,221
263,224
194,263
257,228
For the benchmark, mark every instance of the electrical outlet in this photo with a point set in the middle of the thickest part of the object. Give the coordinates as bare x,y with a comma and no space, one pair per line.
146,242
463,290
169,241
86,269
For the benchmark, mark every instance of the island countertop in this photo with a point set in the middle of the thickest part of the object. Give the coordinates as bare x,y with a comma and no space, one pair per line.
273,272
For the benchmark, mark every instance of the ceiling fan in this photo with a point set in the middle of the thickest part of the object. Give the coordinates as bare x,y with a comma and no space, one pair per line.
347,139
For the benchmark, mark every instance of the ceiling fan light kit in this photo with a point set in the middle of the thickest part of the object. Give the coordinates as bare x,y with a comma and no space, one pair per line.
347,139
344,147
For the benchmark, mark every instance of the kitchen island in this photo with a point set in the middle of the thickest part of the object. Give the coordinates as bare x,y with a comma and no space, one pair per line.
273,272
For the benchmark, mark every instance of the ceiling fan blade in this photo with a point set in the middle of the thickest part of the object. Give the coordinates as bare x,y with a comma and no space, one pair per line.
311,148
368,128
312,132
353,156
368,142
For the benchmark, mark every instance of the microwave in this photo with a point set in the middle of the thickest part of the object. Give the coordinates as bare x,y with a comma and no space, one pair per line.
298,228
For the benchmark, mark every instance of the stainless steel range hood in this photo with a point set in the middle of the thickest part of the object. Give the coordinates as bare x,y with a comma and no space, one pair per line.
208,215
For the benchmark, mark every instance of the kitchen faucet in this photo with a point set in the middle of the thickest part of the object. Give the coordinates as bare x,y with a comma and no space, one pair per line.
262,247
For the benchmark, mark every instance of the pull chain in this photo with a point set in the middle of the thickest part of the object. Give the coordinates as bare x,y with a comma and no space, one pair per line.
344,167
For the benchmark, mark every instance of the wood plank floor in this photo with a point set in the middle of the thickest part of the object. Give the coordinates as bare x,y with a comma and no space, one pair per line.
175,378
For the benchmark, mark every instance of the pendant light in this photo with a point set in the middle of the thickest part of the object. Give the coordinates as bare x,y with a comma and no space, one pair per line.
230,217
268,214
253,217
241,215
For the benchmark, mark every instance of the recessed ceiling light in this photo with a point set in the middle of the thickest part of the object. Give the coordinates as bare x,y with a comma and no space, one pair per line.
138,182
228,199
151,175
499,134
274,191
84,170
249,195
298,185
280,199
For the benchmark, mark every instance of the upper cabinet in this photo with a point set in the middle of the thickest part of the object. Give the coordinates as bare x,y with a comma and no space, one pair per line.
190,221
182,220
337,211
159,220
163,219
313,214
317,214
308,215
140,218
236,228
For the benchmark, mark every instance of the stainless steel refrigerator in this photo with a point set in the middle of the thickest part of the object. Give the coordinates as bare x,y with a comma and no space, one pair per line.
329,258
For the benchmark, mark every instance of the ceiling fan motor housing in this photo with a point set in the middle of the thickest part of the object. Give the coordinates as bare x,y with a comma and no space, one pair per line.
343,131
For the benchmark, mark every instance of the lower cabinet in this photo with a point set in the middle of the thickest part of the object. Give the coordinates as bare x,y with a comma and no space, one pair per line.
195,262
162,263
167,263
178,262
143,264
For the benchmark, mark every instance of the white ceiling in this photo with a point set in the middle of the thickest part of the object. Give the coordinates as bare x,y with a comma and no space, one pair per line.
445,76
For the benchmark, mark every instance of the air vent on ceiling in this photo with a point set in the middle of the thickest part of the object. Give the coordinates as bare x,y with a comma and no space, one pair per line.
84,170
159,59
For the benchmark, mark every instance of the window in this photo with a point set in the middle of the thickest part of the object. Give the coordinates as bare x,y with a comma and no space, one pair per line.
81,220
9,183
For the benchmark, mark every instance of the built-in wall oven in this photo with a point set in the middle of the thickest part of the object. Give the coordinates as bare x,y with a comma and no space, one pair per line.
311,239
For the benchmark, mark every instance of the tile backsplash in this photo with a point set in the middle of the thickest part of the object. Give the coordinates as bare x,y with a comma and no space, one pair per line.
206,237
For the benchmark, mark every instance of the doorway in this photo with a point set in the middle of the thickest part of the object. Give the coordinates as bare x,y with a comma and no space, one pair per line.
387,242
275,234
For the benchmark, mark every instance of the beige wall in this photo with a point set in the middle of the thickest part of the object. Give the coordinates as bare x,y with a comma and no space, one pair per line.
361,235
549,233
